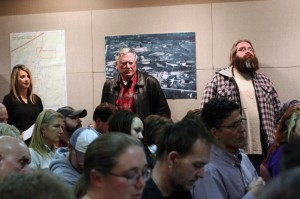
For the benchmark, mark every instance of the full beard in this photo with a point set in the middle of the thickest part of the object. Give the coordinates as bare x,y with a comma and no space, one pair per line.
248,64
72,129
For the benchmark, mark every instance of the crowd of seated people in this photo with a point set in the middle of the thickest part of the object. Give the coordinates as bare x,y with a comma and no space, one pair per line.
125,155
143,155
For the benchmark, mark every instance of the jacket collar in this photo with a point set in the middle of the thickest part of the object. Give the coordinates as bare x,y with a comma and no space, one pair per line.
226,72
140,80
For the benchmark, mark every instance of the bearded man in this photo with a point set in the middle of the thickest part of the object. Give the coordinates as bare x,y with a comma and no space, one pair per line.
253,92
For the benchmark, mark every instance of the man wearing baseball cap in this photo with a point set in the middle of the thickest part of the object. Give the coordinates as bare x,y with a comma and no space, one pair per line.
72,122
68,161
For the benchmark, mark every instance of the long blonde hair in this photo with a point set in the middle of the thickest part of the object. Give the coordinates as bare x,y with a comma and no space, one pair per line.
43,119
14,82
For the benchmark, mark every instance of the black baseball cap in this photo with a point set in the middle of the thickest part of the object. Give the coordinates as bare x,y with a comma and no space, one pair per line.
68,111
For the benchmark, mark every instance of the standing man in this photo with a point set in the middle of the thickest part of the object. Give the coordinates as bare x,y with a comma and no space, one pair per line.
134,91
182,152
229,173
3,114
72,122
253,92
14,156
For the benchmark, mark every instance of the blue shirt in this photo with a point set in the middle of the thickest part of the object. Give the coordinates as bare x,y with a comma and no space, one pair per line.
62,167
223,177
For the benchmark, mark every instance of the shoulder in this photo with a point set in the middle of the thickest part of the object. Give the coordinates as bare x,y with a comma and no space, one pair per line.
8,97
35,159
35,156
61,152
144,78
111,81
261,76
37,98
151,191
221,76
263,81
224,72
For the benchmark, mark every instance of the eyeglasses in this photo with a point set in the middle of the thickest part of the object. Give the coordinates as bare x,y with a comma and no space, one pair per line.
236,125
133,177
127,62
243,49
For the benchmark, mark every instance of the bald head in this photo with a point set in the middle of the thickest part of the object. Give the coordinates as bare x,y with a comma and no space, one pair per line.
3,114
14,156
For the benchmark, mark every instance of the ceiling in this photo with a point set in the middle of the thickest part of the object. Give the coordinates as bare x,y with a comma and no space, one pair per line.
20,7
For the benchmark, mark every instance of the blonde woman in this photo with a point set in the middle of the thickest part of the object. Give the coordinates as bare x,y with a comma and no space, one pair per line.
45,136
23,106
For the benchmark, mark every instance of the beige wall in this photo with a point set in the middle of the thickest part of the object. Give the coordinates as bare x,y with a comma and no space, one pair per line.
273,26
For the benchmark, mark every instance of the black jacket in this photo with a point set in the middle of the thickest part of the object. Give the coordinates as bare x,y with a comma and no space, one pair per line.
149,98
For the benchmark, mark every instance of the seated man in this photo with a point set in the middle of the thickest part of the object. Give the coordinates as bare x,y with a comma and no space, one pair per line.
182,152
101,114
229,172
68,162
14,156
72,122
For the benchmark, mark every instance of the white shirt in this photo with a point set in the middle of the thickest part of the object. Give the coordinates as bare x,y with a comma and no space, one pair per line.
39,162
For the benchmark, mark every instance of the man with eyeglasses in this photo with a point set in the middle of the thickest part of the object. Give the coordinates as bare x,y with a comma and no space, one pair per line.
253,92
133,90
229,173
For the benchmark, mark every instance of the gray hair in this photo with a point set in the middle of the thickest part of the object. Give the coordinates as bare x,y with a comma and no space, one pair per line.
125,51
9,130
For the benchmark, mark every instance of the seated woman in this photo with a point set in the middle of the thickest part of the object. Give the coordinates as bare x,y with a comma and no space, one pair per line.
115,166
126,122
46,133
288,130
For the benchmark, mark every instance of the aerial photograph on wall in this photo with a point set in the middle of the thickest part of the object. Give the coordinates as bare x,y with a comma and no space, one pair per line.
169,57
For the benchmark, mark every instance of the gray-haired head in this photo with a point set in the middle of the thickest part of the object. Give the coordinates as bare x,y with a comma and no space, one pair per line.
125,51
9,130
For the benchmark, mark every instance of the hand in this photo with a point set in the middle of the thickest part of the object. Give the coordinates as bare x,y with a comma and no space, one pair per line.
256,185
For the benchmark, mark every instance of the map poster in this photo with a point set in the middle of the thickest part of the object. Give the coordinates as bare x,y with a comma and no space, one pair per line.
44,54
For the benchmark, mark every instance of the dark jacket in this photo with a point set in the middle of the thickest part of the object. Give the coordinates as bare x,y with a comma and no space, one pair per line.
148,96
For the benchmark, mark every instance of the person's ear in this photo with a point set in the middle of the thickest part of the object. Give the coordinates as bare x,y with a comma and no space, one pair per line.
96,178
98,120
172,158
214,132
43,130
69,147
